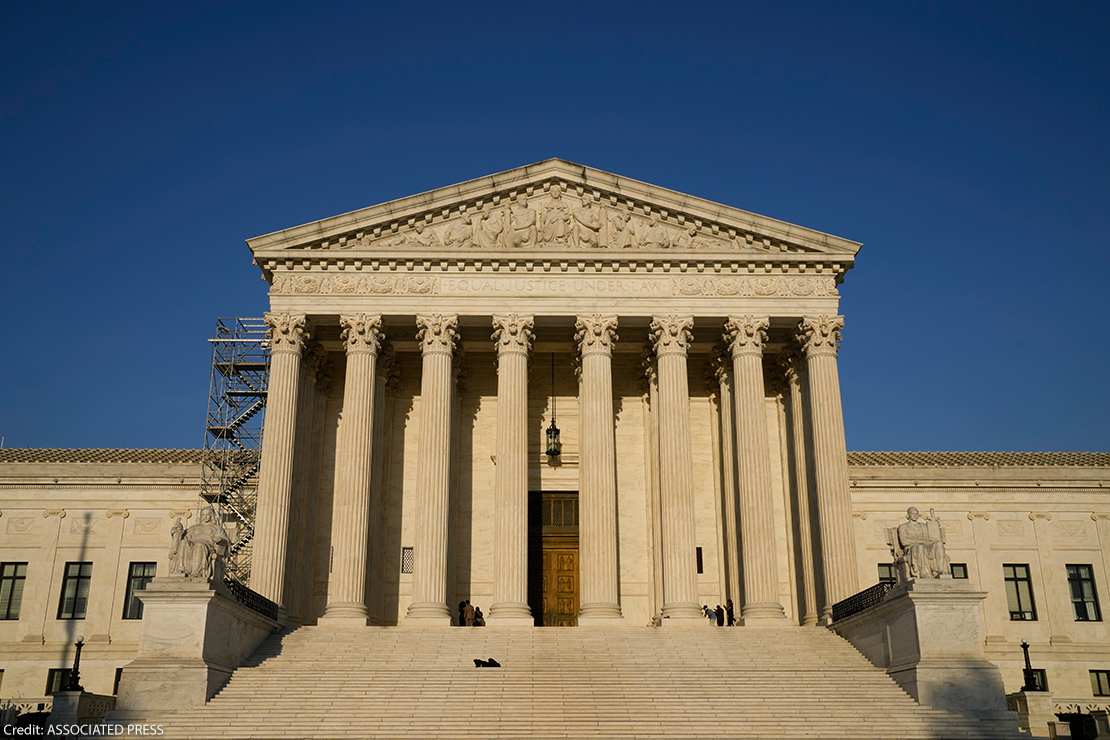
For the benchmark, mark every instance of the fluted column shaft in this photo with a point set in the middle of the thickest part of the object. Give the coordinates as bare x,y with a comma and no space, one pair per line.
821,338
437,333
676,476
287,335
351,511
513,336
597,542
725,383
796,379
757,522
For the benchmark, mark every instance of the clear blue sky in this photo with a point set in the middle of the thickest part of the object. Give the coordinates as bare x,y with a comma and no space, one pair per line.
964,143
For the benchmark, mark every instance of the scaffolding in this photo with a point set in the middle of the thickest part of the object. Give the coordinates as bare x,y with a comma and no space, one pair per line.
233,433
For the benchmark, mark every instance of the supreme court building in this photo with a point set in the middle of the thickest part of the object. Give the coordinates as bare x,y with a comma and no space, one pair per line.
573,399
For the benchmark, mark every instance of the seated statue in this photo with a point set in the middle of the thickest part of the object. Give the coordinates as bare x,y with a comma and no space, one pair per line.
918,547
200,550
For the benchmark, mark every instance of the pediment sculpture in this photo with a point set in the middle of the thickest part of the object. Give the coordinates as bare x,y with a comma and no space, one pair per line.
918,547
201,550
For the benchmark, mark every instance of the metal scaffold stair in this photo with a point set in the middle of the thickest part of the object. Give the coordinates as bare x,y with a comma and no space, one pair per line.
233,432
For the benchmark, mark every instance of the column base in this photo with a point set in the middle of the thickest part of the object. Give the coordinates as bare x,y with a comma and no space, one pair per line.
427,615
510,615
600,615
763,615
344,615
685,615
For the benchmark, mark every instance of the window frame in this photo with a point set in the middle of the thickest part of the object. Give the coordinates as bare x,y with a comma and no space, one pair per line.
962,566
891,575
79,579
1100,682
1081,581
59,676
12,600
133,606
1014,593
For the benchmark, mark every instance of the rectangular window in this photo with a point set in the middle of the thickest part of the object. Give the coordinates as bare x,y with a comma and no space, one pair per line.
138,575
75,591
1040,679
1084,600
1019,593
887,574
959,570
12,577
1100,683
56,680
406,560
701,564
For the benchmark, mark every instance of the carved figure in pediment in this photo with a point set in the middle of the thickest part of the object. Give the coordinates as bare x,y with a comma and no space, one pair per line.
459,234
522,224
488,230
555,223
685,240
655,236
622,231
587,225
424,236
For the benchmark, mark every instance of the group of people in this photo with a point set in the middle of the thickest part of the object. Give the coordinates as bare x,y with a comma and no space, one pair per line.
722,616
470,616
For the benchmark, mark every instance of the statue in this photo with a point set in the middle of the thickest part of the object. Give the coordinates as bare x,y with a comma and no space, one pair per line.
587,225
424,237
623,231
918,547
487,230
522,224
685,240
200,550
655,236
459,234
555,226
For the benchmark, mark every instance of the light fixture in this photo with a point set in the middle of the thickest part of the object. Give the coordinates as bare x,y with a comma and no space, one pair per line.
554,446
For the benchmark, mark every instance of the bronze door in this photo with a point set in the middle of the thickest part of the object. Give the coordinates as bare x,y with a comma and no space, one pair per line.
553,558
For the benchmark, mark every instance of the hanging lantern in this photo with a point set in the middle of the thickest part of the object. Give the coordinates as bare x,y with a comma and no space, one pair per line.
554,446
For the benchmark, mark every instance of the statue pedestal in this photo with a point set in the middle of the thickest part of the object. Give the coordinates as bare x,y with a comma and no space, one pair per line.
1034,710
79,708
194,635
928,636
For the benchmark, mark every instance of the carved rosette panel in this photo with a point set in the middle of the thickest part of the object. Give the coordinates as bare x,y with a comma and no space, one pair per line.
596,334
437,332
512,333
287,332
354,285
361,332
756,287
820,335
746,334
671,334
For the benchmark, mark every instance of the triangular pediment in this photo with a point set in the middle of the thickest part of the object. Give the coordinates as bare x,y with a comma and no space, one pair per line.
549,207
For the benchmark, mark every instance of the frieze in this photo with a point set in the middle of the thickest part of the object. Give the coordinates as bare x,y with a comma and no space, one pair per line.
709,287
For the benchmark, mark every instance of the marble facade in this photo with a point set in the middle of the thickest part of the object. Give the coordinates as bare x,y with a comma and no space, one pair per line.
419,351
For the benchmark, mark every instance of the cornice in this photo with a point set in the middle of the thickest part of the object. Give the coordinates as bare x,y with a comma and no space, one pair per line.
715,222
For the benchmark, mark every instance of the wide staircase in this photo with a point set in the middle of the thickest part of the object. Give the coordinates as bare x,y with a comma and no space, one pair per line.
705,682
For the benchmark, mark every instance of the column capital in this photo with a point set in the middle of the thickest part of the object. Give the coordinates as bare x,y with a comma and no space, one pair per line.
361,332
671,334
746,334
315,360
791,361
512,333
820,335
437,332
287,332
596,334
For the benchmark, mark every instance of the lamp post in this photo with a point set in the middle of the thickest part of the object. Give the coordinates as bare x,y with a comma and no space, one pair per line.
74,683
554,445
1027,672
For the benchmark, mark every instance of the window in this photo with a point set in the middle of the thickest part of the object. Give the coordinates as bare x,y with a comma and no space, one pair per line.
887,574
75,591
959,570
406,560
56,680
1083,597
1040,679
1100,683
138,575
701,563
1019,592
12,576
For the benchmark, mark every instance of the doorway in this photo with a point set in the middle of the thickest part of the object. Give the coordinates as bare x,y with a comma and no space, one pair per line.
553,557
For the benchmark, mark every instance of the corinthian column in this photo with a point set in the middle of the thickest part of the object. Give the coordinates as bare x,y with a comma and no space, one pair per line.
437,333
793,366
598,473
351,511
287,335
513,335
746,336
676,475
722,370
820,337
